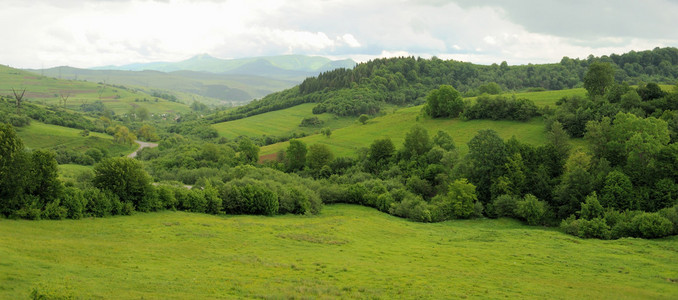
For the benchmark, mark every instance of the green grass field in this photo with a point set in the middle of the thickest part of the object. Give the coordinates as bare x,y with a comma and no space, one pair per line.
345,141
345,252
280,122
549,98
48,90
46,136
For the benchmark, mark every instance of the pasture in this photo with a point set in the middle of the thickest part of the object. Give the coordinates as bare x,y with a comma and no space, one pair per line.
280,122
49,91
345,252
345,141
46,136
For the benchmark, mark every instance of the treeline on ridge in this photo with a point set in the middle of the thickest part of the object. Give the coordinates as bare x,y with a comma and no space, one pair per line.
407,80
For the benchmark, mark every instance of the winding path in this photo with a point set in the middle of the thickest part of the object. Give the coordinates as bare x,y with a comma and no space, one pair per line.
142,145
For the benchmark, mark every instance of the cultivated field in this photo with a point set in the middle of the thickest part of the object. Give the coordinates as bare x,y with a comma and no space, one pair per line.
345,252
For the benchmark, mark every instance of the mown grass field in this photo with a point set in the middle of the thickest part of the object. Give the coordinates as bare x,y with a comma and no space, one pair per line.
345,252
280,122
46,136
48,90
345,141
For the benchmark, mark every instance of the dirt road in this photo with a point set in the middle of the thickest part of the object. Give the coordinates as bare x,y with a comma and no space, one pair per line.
142,145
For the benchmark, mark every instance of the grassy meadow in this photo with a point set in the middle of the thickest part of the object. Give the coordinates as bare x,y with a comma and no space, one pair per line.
345,252
48,90
46,136
345,141
280,122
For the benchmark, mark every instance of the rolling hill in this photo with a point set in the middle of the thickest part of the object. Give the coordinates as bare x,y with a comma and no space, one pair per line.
218,81
49,91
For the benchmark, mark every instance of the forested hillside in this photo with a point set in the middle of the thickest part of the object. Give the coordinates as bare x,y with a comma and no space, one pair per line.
407,80
619,181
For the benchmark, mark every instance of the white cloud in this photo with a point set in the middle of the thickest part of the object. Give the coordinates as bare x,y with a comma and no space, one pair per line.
350,40
89,33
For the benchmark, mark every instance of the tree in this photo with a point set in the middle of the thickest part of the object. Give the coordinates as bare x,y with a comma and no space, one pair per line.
13,163
125,178
379,154
416,143
576,184
122,135
319,155
462,197
63,95
249,152
43,177
598,78
142,113
295,158
147,133
444,102
363,119
326,131
487,154
591,208
18,97
444,140
617,191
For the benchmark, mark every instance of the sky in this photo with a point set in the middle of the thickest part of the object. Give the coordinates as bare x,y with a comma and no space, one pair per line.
89,33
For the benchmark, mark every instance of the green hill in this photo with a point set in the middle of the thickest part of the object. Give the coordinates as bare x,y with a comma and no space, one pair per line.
402,81
345,252
49,91
345,141
208,88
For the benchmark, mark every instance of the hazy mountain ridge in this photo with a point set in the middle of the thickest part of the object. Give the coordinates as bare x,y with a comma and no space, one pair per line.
236,81
207,63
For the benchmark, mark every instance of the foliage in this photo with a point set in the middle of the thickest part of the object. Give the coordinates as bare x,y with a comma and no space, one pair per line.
125,178
598,78
444,102
501,108
532,210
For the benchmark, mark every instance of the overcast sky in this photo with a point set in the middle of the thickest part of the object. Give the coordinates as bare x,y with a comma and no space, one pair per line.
87,33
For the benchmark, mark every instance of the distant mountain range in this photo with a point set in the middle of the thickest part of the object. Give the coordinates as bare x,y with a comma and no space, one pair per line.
234,81
269,66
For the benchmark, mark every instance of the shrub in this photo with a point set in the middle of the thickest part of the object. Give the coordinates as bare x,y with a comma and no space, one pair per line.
505,206
98,202
594,228
413,208
531,210
74,202
166,197
54,211
652,225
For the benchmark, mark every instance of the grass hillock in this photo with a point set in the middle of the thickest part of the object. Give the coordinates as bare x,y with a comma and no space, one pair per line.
345,252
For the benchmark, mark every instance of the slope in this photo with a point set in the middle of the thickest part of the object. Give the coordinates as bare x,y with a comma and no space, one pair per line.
345,252
208,88
46,90
346,141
